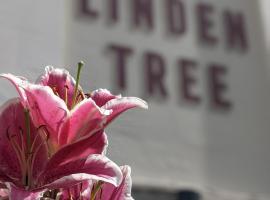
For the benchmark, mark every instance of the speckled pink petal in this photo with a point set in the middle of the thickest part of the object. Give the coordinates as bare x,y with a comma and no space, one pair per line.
94,167
84,119
16,193
19,83
4,192
12,127
9,163
120,105
79,191
61,81
94,144
45,107
102,96
123,191
109,191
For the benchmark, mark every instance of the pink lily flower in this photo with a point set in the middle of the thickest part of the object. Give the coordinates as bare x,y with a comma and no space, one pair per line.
69,115
25,161
70,133
93,190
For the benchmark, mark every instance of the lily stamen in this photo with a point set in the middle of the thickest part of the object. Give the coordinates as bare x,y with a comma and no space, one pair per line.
87,95
36,136
79,97
45,136
35,154
70,194
22,140
19,153
29,172
27,125
100,196
55,91
96,190
66,94
27,155
81,190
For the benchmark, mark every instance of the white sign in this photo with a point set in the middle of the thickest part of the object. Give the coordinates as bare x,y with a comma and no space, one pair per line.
200,66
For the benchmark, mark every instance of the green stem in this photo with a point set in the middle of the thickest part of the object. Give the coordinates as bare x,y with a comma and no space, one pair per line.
80,65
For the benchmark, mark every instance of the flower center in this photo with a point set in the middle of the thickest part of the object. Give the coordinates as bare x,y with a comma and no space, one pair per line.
70,96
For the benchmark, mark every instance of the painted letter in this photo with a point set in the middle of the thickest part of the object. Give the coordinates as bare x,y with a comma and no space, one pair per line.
235,30
122,53
205,24
143,12
176,17
87,10
188,80
218,87
155,74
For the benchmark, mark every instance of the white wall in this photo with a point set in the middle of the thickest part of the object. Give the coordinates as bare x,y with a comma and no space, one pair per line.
265,14
31,37
174,145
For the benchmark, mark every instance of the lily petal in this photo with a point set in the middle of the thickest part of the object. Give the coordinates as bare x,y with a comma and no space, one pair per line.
108,192
123,191
17,193
45,107
4,178
4,192
80,191
12,142
93,144
102,96
61,81
94,167
11,118
19,83
120,105
85,118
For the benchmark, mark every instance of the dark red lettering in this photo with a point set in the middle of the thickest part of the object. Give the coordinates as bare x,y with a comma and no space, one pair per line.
205,24
176,17
187,81
218,87
155,74
143,13
113,10
87,10
235,30
121,53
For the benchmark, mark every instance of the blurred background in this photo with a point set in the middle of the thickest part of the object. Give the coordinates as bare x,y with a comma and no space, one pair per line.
202,65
